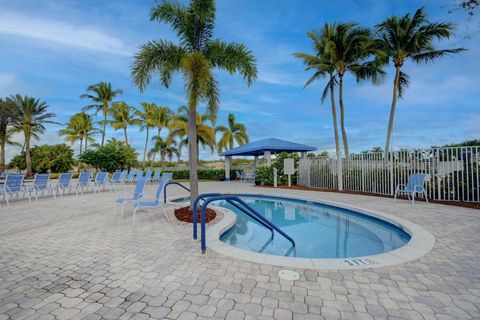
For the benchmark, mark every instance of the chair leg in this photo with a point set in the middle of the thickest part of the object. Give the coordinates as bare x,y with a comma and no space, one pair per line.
425,195
395,196
165,212
36,195
413,198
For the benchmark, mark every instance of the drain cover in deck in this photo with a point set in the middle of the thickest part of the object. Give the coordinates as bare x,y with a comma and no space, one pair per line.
288,275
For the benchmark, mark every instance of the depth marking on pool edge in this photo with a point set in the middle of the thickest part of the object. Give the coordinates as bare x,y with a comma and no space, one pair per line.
359,262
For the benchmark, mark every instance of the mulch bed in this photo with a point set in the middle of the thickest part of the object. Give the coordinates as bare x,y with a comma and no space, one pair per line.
471,205
185,214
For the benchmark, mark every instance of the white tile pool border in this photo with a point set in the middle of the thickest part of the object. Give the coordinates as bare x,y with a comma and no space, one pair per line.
421,242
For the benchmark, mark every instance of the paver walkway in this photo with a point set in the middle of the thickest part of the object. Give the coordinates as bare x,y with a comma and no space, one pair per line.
71,258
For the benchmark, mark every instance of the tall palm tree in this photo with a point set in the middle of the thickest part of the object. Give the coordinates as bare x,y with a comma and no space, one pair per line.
101,95
79,128
233,132
322,64
123,116
410,37
29,116
5,120
147,121
166,148
179,128
352,49
194,57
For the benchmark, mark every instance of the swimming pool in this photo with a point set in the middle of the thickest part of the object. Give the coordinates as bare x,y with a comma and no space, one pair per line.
319,230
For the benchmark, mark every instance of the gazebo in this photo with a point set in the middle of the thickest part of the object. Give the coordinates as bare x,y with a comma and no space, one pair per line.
266,148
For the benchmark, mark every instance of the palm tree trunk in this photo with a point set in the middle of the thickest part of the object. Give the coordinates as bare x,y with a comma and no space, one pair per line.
3,138
193,148
162,157
145,149
125,133
396,83
334,116
342,116
152,161
28,159
81,145
86,140
105,112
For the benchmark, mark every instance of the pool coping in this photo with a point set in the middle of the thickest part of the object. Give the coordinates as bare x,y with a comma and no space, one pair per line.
420,243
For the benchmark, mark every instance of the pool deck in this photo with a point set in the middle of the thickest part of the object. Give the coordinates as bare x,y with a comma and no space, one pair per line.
71,258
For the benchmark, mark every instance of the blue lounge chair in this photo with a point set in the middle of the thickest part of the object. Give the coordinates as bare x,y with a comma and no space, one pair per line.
100,181
156,176
148,175
156,202
131,176
122,177
40,184
63,184
112,183
13,185
132,197
168,175
83,182
139,175
414,186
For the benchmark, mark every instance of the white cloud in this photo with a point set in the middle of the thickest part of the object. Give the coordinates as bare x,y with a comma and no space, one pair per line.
60,32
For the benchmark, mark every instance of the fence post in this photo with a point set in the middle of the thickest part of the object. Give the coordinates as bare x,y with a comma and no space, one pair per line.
339,172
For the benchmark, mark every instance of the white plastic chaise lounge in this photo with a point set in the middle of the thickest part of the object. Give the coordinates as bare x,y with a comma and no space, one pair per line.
156,202
131,197
414,186
39,185
63,184
13,185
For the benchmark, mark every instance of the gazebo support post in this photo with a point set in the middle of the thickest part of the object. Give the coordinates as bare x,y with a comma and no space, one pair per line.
267,154
228,163
255,160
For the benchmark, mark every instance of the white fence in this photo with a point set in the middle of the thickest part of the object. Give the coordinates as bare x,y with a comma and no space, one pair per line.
454,172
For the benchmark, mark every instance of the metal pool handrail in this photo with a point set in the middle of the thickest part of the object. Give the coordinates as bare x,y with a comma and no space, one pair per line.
206,195
244,204
165,189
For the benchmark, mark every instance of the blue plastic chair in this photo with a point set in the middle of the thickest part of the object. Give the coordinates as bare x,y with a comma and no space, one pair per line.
122,177
152,204
148,175
131,176
83,182
100,181
63,184
168,175
414,186
112,183
13,185
156,176
132,197
40,184
139,175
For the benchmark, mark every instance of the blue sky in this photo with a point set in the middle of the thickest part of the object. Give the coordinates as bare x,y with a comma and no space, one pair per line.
54,49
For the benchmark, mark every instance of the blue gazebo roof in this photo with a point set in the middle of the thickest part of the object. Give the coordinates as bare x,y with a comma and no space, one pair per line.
273,145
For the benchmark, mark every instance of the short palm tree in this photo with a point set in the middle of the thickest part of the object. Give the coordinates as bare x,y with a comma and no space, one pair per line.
101,95
146,117
166,148
79,128
322,65
194,57
233,132
410,37
29,117
179,127
6,110
123,116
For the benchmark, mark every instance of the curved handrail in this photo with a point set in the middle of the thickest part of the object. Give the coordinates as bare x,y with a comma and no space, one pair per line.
165,189
205,195
244,204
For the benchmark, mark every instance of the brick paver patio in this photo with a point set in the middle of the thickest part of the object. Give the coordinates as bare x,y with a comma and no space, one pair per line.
71,258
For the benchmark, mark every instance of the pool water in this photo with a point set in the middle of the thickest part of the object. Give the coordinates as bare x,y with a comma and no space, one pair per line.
319,230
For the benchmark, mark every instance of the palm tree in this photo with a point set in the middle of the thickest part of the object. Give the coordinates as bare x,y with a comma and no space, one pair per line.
234,132
79,128
179,128
102,95
322,64
348,48
29,116
146,117
123,115
410,37
166,148
195,58
6,110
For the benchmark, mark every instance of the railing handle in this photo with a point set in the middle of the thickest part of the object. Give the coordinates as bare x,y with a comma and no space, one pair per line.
195,206
165,189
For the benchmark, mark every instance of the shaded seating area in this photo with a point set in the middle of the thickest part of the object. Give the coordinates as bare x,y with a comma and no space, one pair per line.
265,148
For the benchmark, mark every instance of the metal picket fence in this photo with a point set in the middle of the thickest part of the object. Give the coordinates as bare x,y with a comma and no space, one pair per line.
453,172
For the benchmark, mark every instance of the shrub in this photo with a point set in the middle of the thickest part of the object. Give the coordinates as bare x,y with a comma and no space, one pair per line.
265,175
203,174
45,158
114,155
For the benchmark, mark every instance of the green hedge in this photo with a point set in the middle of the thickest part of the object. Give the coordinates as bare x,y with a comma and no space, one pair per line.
203,174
